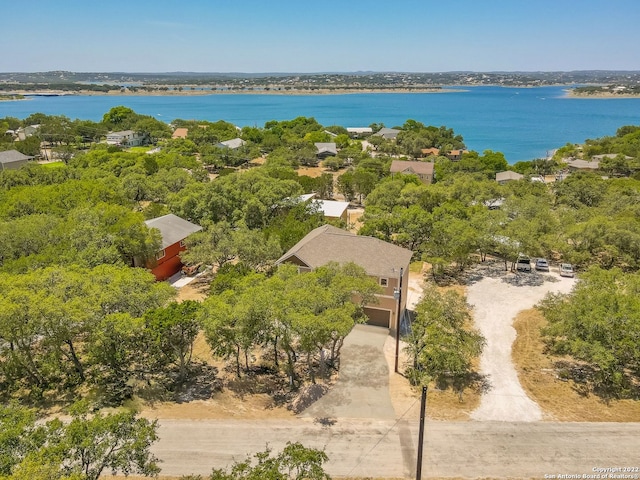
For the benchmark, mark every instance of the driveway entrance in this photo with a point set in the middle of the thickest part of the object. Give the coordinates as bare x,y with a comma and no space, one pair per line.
362,389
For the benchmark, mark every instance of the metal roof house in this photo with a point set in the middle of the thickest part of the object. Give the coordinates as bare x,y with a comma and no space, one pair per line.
381,260
356,132
388,133
326,149
173,230
13,160
508,176
232,144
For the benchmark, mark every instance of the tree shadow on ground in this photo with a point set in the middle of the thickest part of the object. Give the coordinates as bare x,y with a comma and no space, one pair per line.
472,380
528,279
201,383
261,379
586,380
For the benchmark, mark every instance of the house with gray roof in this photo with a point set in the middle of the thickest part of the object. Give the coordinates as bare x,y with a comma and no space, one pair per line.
13,160
387,133
126,138
578,164
508,176
381,260
326,149
423,170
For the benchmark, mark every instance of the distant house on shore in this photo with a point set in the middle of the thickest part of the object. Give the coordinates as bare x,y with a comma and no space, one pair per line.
456,155
424,170
381,260
508,176
23,132
430,152
13,160
126,138
358,132
453,155
174,230
326,149
578,164
387,133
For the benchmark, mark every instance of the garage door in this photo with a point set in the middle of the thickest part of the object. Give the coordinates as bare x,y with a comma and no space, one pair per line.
378,317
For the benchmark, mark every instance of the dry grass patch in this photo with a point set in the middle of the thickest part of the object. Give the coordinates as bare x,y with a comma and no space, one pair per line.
559,399
312,172
193,291
446,404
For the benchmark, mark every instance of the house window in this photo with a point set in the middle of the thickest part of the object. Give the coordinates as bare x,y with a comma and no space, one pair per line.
384,282
160,254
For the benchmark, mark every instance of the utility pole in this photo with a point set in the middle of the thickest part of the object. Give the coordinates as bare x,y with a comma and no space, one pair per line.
423,406
398,295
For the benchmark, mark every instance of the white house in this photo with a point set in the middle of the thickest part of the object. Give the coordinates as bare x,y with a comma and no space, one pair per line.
126,138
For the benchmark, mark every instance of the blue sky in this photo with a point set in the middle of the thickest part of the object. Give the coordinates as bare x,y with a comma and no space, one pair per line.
330,35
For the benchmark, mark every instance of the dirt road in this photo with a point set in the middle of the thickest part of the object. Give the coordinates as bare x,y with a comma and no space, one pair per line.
387,448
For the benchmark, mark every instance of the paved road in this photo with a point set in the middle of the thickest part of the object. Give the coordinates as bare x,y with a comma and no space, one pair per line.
362,389
386,448
342,424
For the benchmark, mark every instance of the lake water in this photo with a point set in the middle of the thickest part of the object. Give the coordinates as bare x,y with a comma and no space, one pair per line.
523,123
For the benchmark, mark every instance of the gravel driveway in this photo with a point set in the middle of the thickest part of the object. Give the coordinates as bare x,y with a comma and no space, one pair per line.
496,301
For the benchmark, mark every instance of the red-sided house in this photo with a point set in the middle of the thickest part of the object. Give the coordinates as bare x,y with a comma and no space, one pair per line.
173,230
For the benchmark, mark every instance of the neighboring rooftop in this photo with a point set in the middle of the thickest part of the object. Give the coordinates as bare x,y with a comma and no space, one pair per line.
331,208
508,175
326,148
172,228
12,159
232,144
388,133
359,130
330,244
584,164
406,166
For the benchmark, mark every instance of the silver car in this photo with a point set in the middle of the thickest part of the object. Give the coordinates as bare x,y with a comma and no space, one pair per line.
566,270
542,265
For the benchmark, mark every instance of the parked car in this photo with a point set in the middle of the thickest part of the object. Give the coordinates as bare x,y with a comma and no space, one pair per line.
542,265
523,264
566,270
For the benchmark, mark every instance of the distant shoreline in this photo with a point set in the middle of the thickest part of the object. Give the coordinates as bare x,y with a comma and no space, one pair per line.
187,92
571,93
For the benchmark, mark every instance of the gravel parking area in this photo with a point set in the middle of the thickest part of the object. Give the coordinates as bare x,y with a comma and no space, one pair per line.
496,300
